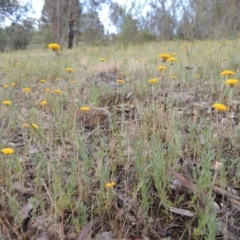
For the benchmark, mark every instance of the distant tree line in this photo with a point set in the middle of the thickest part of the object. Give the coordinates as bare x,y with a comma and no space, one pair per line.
73,21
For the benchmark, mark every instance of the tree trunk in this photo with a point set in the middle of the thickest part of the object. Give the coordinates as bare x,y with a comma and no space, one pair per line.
71,34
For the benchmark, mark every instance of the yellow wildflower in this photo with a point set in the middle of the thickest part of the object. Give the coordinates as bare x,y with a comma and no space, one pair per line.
172,59
28,90
140,60
162,68
57,91
102,59
223,58
43,80
8,151
227,73
164,56
6,103
119,81
58,79
73,81
173,77
153,81
5,86
13,84
23,75
84,109
47,90
25,125
54,47
219,107
69,70
231,82
43,103
35,126
197,76
110,184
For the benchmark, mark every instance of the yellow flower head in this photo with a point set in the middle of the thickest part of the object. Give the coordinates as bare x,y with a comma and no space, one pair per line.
35,126
58,79
102,59
23,75
47,90
43,80
224,59
227,73
25,125
57,91
69,70
54,47
110,184
5,86
231,82
6,103
8,151
73,81
197,76
172,59
164,56
84,109
219,107
153,81
173,77
13,84
140,60
119,81
27,90
43,103
162,68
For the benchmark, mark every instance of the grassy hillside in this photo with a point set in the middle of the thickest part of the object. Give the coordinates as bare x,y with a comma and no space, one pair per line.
100,152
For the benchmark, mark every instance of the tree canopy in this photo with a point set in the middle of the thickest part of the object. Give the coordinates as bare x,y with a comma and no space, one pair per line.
13,9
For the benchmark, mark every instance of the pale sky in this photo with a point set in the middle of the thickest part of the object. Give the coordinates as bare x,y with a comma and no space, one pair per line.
37,6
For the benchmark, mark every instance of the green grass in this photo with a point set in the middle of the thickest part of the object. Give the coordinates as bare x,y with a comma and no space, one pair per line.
62,167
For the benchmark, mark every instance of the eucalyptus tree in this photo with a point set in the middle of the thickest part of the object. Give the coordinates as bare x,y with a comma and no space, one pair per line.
64,17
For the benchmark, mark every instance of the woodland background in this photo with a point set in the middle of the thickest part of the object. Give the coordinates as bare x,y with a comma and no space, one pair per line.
135,22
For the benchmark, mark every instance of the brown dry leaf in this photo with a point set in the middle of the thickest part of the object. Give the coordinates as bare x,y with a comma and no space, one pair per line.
188,184
224,192
84,234
182,212
184,181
